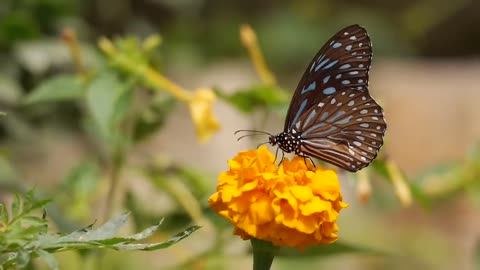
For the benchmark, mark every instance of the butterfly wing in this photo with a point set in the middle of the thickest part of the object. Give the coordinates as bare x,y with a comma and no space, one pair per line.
344,61
345,129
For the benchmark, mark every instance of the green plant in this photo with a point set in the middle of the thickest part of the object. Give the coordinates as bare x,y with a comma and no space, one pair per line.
25,236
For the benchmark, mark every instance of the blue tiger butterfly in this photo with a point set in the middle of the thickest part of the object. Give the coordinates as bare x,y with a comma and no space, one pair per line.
332,116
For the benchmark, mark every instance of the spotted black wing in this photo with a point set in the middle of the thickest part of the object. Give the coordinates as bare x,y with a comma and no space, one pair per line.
345,129
343,62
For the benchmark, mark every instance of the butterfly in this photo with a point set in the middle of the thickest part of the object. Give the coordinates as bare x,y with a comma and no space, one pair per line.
332,116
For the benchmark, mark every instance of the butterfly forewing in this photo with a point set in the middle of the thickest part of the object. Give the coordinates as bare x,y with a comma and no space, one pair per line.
345,129
343,62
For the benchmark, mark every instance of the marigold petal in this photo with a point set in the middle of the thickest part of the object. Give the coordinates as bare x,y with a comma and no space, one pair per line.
290,205
302,193
261,211
315,205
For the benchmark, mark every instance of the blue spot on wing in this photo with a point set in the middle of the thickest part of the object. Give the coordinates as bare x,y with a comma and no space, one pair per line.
325,80
336,116
309,118
311,87
321,64
320,133
330,65
344,121
299,112
329,90
319,125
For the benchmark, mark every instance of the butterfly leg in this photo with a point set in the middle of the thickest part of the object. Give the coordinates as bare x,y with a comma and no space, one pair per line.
276,154
305,160
313,163
281,160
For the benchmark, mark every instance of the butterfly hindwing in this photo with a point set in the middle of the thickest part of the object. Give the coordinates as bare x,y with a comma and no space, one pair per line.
345,129
343,62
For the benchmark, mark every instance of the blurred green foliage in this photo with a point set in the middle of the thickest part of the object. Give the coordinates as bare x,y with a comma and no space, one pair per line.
111,111
24,236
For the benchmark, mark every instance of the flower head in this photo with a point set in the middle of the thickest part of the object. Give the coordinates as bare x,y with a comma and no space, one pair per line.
201,111
289,205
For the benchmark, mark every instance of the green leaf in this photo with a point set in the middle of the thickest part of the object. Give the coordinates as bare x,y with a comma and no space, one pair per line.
33,220
49,259
39,204
59,88
175,239
16,205
250,99
8,258
379,166
107,230
22,259
104,96
336,248
77,187
3,214
145,233
154,116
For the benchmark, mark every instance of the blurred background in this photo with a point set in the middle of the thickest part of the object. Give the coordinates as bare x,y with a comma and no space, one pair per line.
79,146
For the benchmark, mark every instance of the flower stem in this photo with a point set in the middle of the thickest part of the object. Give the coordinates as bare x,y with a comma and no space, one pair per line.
402,190
263,254
364,186
152,77
70,39
249,40
117,164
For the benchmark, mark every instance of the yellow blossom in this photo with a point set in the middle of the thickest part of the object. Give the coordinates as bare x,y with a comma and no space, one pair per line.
290,205
200,101
200,105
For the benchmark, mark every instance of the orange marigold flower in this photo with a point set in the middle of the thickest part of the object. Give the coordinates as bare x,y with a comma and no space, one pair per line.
289,205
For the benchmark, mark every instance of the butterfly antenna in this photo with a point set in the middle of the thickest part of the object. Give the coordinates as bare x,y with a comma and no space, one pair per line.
248,135
253,131
261,144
